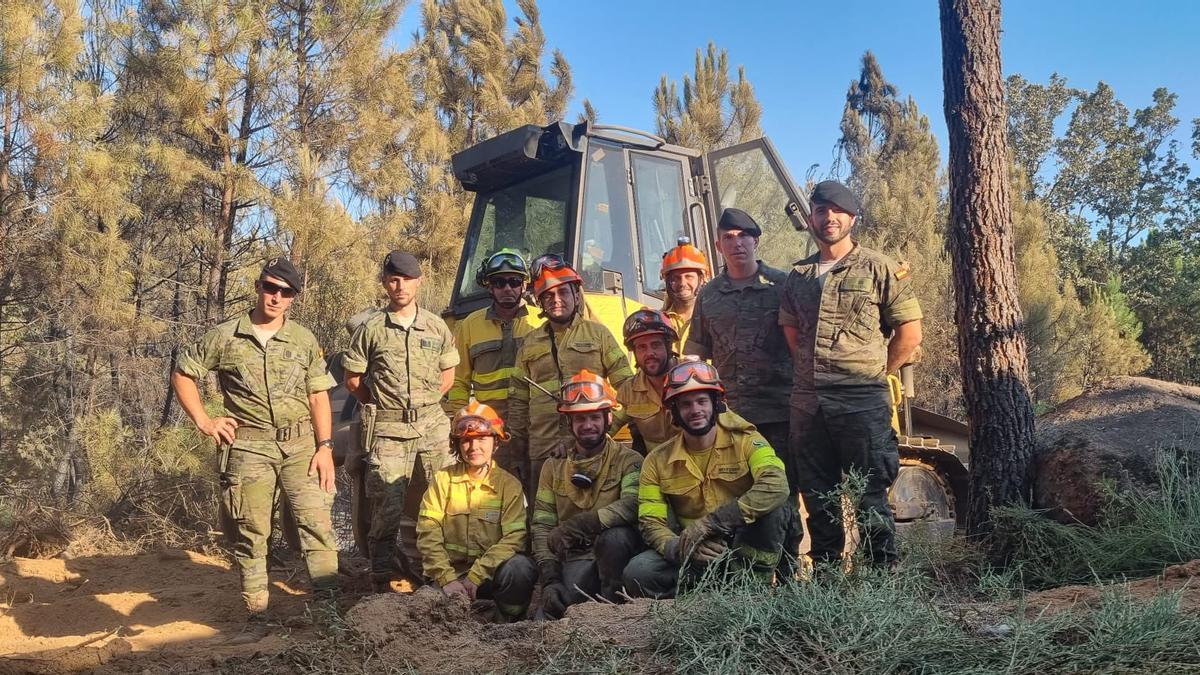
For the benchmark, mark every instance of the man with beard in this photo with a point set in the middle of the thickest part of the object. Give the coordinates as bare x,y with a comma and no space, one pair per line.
720,479
684,270
471,527
650,336
585,513
567,343
277,429
407,355
488,338
851,318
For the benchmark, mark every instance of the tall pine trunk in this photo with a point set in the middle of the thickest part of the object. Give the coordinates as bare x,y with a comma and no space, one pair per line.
991,338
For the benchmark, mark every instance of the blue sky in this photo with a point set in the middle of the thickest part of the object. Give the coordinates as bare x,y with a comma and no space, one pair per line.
801,57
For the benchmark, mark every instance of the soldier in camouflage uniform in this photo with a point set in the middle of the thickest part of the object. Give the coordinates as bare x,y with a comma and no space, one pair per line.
736,326
407,356
277,429
851,318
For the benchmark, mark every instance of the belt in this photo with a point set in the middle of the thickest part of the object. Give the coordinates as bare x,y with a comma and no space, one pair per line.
277,434
408,415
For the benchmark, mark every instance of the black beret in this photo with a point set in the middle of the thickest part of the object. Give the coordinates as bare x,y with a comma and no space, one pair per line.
737,219
282,268
833,192
402,263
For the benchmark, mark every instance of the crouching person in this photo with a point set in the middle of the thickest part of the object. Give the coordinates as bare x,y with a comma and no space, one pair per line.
472,520
720,479
585,514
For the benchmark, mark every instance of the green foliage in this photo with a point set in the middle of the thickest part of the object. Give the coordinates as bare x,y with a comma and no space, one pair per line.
714,111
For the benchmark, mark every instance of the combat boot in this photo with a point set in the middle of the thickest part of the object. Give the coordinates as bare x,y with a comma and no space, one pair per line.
256,602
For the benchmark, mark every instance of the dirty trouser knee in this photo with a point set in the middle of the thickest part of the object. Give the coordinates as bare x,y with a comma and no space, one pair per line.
649,575
389,473
825,447
312,508
511,588
581,579
759,545
614,548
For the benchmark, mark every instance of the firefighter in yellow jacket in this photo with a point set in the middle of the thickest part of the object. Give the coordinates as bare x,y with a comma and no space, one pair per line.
472,520
719,478
652,339
489,338
585,516
565,345
684,270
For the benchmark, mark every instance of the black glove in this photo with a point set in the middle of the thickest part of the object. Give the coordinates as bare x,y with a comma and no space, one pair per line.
693,534
671,552
554,600
726,518
578,531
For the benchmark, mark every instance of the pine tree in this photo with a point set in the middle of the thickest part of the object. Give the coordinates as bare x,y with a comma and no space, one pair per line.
714,112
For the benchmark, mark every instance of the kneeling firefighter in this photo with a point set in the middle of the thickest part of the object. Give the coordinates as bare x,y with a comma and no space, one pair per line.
585,515
722,481
472,520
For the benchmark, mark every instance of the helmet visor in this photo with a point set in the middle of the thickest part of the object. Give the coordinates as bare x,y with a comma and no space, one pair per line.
547,261
505,262
592,392
473,427
692,370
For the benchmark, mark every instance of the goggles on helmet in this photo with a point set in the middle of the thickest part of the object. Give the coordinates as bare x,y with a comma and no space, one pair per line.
592,392
547,261
473,427
692,370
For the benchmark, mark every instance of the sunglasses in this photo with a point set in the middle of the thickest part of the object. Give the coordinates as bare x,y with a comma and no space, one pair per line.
548,261
271,289
698,370
473,426
506,282
588,391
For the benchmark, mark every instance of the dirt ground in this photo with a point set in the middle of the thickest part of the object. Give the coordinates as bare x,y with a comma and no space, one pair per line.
179,611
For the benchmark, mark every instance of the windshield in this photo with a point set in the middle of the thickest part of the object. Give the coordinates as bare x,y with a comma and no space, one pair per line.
530,216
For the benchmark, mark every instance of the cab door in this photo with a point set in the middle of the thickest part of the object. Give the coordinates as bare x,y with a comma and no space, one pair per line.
666,208
750,176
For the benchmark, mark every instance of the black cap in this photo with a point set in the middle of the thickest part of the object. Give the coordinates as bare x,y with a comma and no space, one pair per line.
282,268
737,219
833,192
402,263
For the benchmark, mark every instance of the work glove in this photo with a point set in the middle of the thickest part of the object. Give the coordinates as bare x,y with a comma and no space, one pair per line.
727,518
554,600
671,552
578,531
693,534
708,551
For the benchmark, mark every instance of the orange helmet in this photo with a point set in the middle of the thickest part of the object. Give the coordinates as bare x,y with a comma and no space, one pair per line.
647,321
477,420
550,271
586,392
684,257
691,375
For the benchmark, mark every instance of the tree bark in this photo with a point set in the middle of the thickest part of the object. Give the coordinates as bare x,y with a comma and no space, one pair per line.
991,339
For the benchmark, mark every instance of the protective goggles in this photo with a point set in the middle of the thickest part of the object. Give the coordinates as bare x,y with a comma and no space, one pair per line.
692,370
547,261
592,392
473,426
505,261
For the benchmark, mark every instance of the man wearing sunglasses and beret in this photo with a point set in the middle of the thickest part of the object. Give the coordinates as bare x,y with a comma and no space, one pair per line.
565,345
488,338
716,494
399,364
276,429
585,511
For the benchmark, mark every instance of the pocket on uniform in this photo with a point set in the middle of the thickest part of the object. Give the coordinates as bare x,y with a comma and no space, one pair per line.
679,486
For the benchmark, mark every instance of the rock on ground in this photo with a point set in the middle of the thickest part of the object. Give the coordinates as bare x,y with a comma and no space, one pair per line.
1109,435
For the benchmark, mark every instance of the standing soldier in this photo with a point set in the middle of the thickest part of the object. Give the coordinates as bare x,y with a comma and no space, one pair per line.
684,269
585,514
472,520
488,339
720,479
277,429
736,326
651,338
407,355
851,318
567,343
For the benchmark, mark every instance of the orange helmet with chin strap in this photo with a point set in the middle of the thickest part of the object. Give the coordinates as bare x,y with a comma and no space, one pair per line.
684,257
586,391
692,375
550,271
477,420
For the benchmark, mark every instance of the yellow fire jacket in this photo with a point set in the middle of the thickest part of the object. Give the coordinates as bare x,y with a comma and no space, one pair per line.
468,527
487,350
613,495
642,406
743,466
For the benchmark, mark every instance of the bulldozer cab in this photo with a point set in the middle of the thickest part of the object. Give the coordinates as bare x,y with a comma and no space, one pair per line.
612,201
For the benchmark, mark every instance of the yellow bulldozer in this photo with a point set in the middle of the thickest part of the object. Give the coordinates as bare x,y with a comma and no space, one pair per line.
612,200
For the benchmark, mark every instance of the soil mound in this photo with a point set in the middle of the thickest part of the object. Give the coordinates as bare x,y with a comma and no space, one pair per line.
1180,579
1108,436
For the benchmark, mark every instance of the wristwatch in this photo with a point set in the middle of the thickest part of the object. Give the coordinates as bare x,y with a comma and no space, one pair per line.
327,441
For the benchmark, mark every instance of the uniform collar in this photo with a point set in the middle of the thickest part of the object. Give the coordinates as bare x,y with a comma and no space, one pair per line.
725,284
641,382
420,321
458,474
846,261
522,311
679,452
245,328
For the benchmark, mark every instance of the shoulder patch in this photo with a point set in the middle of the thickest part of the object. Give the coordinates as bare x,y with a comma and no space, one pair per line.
758,442
902,271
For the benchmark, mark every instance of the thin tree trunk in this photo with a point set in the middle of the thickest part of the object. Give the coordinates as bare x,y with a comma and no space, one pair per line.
991,339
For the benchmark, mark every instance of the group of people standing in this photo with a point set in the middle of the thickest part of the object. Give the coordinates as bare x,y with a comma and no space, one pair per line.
753,389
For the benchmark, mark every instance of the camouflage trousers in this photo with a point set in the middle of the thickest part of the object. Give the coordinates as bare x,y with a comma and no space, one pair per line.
390,471
251,472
